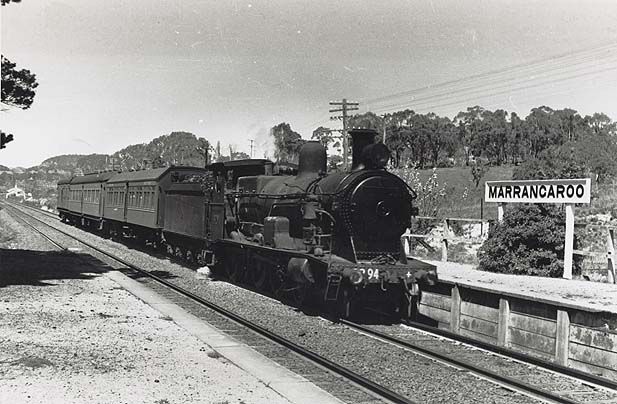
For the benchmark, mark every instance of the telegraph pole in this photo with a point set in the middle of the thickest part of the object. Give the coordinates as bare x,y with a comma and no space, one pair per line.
344,106
251,140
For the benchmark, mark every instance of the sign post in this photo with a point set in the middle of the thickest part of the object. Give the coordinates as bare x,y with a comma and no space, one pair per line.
569,242
568,192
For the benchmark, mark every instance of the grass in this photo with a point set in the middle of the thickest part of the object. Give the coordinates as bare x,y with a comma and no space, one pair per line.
462,198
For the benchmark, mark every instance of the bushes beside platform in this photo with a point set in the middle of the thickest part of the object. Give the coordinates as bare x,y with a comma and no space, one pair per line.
529,241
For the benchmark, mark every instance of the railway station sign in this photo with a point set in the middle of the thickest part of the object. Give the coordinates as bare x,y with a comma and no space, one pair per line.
568,192
539,191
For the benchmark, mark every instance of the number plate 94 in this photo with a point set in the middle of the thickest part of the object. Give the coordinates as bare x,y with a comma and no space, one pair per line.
371,274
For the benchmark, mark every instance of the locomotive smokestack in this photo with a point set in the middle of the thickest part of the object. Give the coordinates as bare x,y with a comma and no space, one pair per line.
360,138
312,160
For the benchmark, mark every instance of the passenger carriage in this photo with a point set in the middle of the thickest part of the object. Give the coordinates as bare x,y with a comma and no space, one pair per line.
136,201
85,202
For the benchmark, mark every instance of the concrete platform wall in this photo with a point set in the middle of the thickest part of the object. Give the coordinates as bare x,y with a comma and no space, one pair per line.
570,336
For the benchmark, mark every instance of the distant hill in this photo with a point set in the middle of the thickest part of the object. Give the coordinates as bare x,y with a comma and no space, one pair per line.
69,163
177,148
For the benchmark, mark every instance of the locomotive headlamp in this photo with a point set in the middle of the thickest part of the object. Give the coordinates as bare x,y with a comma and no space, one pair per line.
355,277
375,155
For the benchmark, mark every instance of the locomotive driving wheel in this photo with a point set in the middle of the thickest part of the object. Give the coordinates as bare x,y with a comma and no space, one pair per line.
260,275
189,256
234,267
299,294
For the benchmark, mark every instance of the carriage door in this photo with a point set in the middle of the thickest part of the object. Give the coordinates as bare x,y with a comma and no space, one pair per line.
215,209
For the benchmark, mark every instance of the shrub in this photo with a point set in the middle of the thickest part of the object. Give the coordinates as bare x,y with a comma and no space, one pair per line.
431,193
529,241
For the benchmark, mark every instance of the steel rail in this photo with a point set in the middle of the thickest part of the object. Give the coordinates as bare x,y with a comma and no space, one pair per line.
41,211
511,383
45,236
554,367
365,383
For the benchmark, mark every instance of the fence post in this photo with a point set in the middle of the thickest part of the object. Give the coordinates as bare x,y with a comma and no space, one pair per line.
455,310
610,254
562,338
444,241
504,322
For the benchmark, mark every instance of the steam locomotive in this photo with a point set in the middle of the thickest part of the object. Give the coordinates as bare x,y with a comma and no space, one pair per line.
309,237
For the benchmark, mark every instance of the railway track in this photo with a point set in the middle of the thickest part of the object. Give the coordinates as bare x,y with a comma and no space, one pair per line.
540,389
530,389
377,390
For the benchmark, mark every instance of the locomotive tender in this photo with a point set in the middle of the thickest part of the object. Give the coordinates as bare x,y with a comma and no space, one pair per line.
311,236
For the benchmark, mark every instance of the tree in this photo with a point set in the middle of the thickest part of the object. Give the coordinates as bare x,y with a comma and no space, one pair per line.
203,148
516,142
4,139
440,136
324,136
287,143
17,85
368,120
468,128
477,172
596,153
601,124
550,164
397,139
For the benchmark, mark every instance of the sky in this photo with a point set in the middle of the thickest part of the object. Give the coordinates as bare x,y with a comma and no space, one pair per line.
118,72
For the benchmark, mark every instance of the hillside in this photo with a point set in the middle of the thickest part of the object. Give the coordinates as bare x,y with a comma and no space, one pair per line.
179,148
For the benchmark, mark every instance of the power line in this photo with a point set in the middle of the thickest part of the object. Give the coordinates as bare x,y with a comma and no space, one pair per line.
492,73
479,87
505,91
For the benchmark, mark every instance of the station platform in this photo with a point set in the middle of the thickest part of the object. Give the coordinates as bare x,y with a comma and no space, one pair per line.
72,331
569,293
